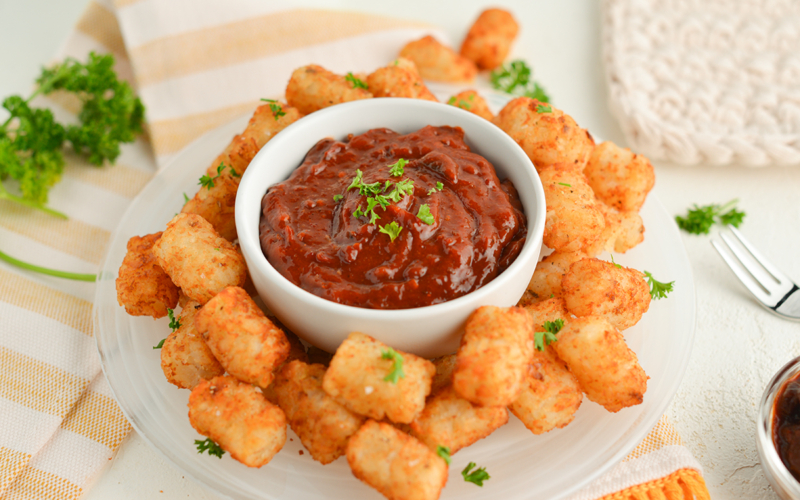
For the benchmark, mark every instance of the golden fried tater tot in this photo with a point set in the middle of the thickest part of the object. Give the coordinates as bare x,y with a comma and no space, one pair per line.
438,62
489,39
143,288
623,231
359,378
573,219
242,338
546,280
445,366
395,464
619,177
216,202
471,101
452,421
185,357
606,369
493,356
550,396
593,287
322,424
238,418
197,259
548,137
547,310
399,79
313,87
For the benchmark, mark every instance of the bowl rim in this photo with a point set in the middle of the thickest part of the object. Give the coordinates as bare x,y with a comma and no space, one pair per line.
249,236
778,475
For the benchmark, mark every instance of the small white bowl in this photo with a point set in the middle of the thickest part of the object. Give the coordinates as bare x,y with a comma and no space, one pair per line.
427,331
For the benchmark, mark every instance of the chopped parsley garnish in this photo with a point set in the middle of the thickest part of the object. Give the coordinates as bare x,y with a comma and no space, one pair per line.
698,220
396,169
478,476
357,83
208,182
612,261
207,445
515,78
160,344
461,103
392,229
548,336
439,187
275,107
174,322
185,199
397,368
542,108
337,197
424,214
444,452
658,290
565,184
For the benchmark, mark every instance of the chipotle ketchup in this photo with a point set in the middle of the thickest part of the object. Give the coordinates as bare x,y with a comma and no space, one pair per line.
786,425
317,231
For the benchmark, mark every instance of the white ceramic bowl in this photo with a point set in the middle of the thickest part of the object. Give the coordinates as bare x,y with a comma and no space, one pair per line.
427,331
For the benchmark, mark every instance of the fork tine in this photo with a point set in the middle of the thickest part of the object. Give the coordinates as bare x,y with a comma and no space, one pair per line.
745,277
752,265
766,264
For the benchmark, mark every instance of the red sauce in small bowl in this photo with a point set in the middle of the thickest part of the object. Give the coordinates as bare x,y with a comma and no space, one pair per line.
786,425
313,229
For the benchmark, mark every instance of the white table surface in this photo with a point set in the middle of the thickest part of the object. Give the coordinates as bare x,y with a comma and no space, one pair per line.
738,345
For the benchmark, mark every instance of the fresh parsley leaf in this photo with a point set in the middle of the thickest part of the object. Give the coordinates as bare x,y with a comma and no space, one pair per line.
612,261
698,220
548,336
207,445
396,169
658,290
356,184
515,78
439,186
185,199
397,368
424,214
444,452
542,108
392,229
357,84
174,322
160,344
460,103
358,213
565,184
337,198
275,107
478,476
208,182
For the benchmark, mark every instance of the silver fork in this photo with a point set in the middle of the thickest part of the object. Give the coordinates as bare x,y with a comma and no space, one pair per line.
773,289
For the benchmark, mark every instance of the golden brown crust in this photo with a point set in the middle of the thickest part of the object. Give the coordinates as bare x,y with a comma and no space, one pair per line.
619,177
438,62
185,357
546,280
143,288
471,101
573,219
489,39
238,418
399,79
313,87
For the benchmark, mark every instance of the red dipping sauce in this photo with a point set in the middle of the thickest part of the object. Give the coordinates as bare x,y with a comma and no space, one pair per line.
786,425
310,235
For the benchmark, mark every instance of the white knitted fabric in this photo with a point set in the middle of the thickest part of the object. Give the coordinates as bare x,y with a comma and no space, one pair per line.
706,81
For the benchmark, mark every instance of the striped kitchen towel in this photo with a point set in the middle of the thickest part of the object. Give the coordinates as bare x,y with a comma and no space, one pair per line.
197,65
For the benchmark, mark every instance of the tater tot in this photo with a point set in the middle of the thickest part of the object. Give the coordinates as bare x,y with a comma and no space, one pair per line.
358,379
550,396
322,424
438,62
619,177
143,288
216,202
489,38
546,280
185,357
547,310
471,101
242,338
198,259
547,137
493,356
606,369
395,464
238,418
399,79
313,87
452,421
622,231
593,287
573,219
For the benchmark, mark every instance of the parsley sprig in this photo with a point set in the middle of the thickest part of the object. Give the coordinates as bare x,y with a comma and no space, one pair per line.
208,182
209,446
548,336
392,229
355,82
658,290
275,107
397,368
478,476
444,452
516,78
461,103
174,324
698,220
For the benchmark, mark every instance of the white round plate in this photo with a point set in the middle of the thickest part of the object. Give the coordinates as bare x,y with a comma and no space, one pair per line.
521,464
